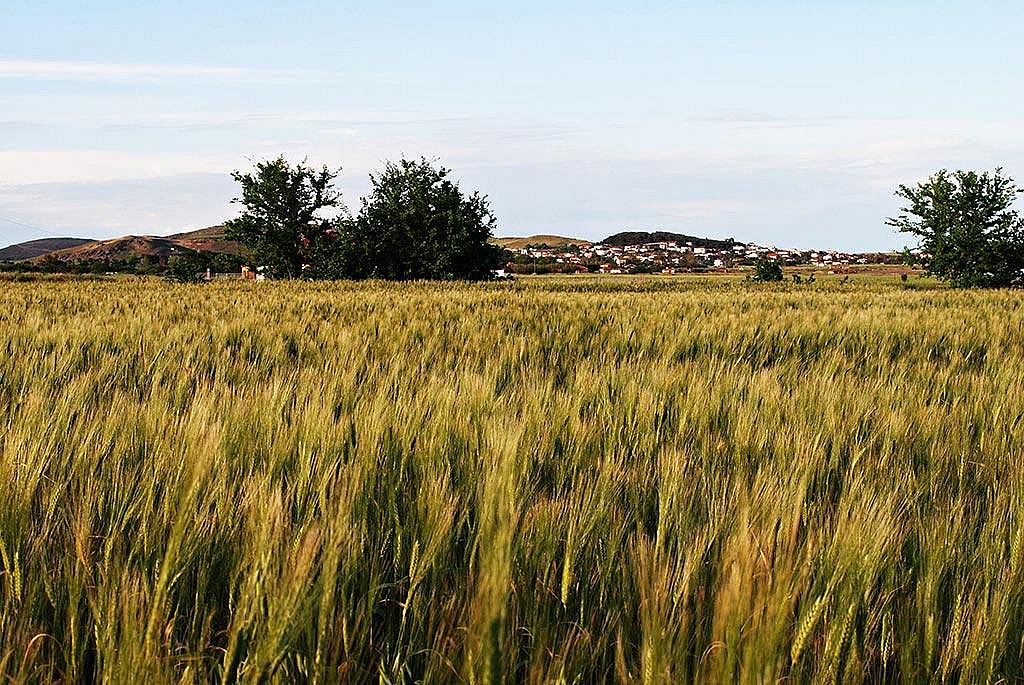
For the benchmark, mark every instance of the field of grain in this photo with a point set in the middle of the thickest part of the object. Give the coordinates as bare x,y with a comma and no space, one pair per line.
577,480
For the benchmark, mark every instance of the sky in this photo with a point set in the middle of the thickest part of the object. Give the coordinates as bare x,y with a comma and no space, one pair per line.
783,123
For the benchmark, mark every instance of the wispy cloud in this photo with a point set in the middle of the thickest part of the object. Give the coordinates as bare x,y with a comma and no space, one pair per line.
753,119
734,116
702,209
111,208
22,167
17,125
123,72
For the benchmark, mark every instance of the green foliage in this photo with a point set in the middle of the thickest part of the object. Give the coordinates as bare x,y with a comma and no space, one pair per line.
284,222
767,270
969,233
551,480
222,262
186,268
191,267
418,224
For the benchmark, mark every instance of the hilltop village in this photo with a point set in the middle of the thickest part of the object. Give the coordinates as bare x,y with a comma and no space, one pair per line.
643,252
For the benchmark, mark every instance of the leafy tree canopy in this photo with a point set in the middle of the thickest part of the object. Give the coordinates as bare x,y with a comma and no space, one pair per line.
287,214
417,223
969,233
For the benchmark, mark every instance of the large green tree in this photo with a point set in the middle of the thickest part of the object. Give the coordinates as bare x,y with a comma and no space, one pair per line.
970,234
417,223
289,214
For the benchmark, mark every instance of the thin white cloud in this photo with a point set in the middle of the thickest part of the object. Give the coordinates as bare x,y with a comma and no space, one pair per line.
756,120
702,209
122,72
21,167
113,208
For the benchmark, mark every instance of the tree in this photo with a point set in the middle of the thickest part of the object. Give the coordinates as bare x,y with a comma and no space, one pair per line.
767,270
417,223
969,233
284,222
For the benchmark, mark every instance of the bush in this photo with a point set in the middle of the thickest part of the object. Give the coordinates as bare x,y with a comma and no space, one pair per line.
767,270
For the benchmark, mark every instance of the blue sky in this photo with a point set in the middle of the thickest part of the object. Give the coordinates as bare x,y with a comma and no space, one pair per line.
779,122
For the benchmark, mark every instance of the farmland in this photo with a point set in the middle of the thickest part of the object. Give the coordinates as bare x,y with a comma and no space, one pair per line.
574,480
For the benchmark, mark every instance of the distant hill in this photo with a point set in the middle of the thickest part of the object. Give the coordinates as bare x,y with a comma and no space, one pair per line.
38,248
513,243
120,249
641,237
210,239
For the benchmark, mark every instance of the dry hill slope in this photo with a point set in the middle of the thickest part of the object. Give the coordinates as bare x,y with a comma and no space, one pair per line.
210,239
119,249
38,248
128,247
515,243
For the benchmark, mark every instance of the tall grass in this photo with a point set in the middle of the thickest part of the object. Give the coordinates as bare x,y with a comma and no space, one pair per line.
558,481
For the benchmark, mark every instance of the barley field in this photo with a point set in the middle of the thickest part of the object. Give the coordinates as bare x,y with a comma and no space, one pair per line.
575,480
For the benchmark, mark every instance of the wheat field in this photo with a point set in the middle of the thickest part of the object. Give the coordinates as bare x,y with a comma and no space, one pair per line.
550,481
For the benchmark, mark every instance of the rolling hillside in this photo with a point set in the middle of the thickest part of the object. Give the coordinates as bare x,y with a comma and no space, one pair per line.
120,249
514,243
643,237
38,248
210,239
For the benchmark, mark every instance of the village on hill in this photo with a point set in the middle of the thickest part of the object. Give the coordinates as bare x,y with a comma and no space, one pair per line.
641,252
